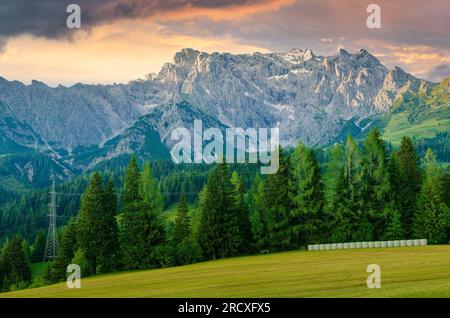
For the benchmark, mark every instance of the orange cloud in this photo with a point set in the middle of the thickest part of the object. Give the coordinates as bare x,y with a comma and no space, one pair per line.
118,52
231,12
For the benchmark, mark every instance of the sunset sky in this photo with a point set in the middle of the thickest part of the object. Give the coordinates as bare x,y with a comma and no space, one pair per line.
121,40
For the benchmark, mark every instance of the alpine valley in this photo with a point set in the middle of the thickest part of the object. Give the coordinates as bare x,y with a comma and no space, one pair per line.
317,99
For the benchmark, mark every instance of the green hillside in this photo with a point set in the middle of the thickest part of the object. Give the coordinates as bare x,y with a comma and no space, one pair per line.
420,115
420,112
417,113
405,272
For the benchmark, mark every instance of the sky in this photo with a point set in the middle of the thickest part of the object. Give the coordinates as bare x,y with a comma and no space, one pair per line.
122,40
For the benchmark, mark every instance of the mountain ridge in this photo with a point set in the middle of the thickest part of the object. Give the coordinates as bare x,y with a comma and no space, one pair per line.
309,97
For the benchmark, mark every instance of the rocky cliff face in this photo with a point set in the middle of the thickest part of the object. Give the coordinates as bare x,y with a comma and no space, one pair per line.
307,96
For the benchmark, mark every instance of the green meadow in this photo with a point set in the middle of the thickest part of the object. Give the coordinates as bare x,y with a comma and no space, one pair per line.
405,272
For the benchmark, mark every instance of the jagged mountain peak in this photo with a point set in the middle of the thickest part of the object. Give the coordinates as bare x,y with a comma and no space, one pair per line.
307,96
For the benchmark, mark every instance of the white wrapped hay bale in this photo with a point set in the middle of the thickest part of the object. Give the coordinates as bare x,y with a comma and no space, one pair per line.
403,243
416,242
396,243
377,244
340,246
346,246
423,242
316,247
352,245
358,244
328,247
409,243
365,244
371,244
334,246
390,243
310,248
383,244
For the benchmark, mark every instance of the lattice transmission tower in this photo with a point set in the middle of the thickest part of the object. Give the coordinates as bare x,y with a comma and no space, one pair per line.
52,244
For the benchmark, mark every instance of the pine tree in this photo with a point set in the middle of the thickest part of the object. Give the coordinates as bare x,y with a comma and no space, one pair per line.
307,219
141,226
109,251
219,230
68,247
242,210
38,249
332,173
432,216
277,205
409,182
131,195
375,190
347,219
97,228
182,221
260,230
149,190
446,187
15,266
446,197
394,230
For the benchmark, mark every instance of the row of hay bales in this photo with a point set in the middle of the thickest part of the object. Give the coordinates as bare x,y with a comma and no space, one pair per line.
376,244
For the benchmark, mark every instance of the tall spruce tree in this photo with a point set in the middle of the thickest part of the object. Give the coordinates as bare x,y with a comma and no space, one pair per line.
242,213
142,229
446,187
68,247
395,226
110,249
14,266
258,215
347,215
97,225
332,173
277,205
149,190
409,183
432,216
131,196
89,222
182,227
219,230
307,218
38,248
375,200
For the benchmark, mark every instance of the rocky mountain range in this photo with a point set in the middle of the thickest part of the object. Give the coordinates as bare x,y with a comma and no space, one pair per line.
309,97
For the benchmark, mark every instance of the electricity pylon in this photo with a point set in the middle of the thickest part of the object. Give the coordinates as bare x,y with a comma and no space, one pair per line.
52,245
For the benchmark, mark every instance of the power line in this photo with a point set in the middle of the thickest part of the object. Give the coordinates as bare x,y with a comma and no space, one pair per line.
52,244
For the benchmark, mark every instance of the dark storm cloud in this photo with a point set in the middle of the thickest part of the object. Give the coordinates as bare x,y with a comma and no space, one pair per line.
315,23
47,18
328,23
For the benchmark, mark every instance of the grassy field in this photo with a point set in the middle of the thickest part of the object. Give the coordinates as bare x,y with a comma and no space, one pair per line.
405,272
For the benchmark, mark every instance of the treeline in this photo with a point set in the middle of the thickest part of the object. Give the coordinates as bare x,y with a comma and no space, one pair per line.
28,215
361,193
439,143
